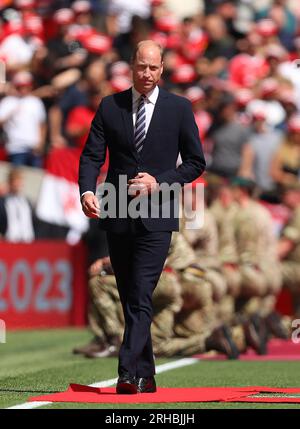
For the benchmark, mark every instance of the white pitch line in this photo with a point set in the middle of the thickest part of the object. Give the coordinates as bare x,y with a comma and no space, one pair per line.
29,405
106,383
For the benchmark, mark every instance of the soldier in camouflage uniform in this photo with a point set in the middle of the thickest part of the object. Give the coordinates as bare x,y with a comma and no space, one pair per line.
250,264
224,209
167,302
105,314
259,268
202,236
195,328
289,247
259,271
191,298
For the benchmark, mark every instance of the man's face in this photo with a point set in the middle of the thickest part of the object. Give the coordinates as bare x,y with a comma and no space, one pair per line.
147,69
24,90
226,196
237,193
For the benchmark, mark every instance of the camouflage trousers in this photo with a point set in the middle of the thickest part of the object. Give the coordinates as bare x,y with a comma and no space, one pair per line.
189,327
218,282
248,280
180,346
222,297
105,313
167,301
291,280
291,276
187,338
255,289
197,294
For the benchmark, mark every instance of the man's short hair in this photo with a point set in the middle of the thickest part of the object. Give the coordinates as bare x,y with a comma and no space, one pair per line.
137,47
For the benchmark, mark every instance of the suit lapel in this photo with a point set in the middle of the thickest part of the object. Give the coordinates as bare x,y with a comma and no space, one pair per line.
157,119
127,119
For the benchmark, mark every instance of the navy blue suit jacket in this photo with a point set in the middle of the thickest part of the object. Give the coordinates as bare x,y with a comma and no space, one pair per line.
172,130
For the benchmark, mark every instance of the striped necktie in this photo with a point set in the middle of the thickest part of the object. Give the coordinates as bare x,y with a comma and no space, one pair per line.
140,124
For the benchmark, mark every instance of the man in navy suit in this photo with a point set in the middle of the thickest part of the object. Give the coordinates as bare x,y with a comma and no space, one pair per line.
144,128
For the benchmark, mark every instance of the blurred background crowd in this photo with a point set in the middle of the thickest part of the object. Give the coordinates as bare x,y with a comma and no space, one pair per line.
237,61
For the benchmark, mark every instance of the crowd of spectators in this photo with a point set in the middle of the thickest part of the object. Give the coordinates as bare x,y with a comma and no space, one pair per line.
238,57
236,61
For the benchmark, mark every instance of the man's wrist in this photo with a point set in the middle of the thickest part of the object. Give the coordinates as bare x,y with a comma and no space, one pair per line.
86,192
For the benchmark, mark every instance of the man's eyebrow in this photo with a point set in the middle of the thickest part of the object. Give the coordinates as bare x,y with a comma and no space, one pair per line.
141,63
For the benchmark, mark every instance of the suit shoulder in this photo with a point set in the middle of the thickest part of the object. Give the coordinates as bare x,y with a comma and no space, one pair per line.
118,96
179,99
119,99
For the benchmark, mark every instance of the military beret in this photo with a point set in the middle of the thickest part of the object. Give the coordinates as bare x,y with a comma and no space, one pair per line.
242,182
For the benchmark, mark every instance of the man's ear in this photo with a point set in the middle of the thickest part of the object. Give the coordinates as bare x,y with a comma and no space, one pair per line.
162,68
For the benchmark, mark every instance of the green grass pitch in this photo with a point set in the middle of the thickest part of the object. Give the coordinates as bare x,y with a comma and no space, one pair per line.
37,362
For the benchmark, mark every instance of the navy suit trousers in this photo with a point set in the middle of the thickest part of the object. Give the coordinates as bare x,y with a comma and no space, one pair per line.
137,259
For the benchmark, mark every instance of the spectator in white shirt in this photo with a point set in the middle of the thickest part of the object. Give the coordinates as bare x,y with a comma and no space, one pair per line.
16,214
120,13
14,48
23,118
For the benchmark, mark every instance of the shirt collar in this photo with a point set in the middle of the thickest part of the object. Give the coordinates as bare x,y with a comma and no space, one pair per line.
151,96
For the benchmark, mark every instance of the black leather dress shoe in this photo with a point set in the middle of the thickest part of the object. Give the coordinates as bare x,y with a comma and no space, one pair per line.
126,384
146,385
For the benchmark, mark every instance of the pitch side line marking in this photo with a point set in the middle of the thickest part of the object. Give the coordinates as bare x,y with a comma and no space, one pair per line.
106,383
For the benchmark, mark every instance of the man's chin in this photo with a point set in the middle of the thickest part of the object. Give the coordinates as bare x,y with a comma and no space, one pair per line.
148,86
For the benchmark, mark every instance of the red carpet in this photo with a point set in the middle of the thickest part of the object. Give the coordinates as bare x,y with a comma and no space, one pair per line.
277,350
80,393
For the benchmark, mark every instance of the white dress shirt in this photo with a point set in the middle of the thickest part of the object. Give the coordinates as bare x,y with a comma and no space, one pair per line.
150,101
151,98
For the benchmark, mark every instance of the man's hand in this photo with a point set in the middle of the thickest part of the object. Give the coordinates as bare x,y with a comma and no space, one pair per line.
95,268
142,184
90,205
58,141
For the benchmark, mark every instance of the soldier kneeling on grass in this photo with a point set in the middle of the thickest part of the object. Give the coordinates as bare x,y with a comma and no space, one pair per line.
104,314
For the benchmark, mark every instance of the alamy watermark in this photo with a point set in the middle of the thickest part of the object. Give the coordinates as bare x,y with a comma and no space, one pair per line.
165,202
296,332
2,331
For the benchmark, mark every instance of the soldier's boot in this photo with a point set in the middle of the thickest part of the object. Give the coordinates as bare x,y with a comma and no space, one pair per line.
276,326
221,341
256,334
111,350
96,344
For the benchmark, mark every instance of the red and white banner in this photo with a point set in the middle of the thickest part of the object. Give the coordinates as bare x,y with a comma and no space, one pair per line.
43,285
59,199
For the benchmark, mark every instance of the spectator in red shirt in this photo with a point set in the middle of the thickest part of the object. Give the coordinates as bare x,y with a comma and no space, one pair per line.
79,121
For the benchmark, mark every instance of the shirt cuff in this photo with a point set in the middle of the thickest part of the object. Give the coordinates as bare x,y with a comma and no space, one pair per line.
86,192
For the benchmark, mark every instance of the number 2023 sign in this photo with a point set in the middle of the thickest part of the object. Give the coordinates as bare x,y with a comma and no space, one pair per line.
37,284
